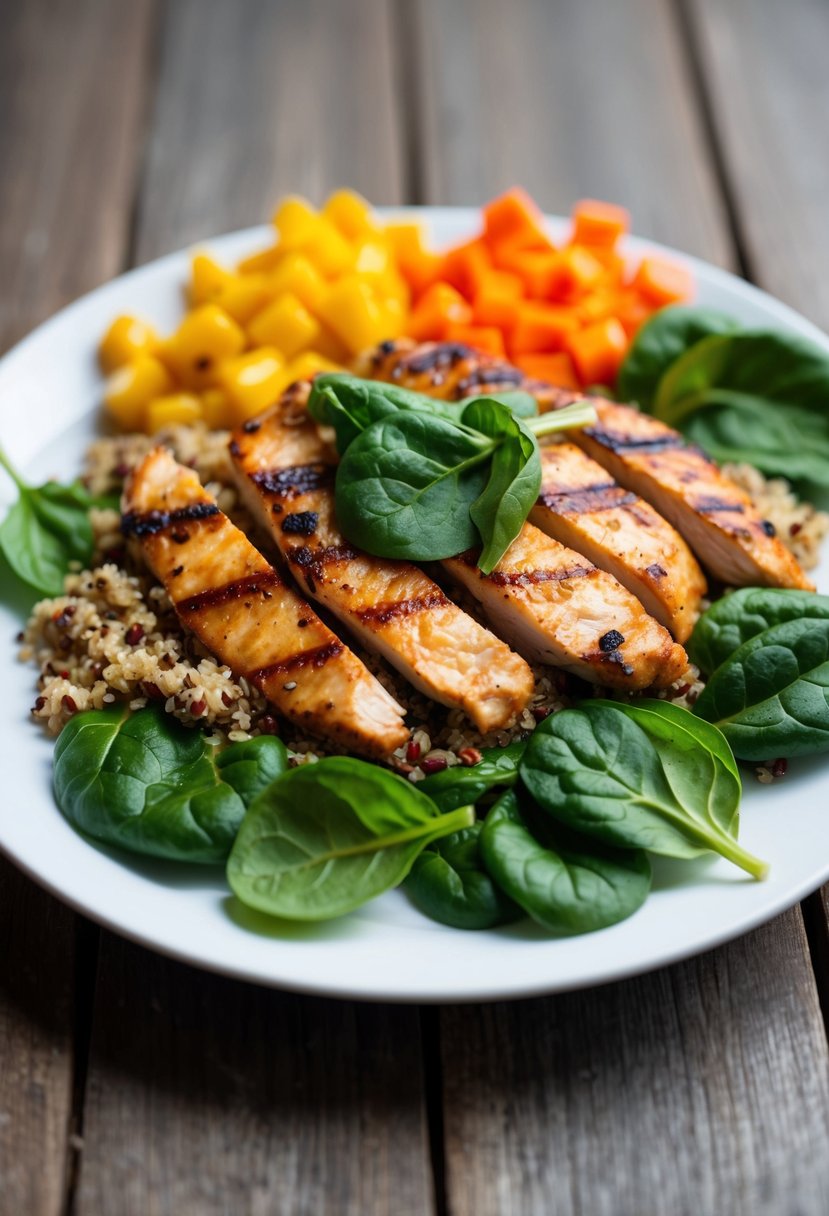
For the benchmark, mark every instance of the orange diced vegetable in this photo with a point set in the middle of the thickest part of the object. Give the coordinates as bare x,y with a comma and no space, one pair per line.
513,213
577,271
538,269
482,337
540,328
633,310
555,369
466,267
663,282
598,350
497,300
597,223
438,307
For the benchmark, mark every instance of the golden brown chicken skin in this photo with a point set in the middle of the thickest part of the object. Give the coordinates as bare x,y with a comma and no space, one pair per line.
285,473
232,599
716,518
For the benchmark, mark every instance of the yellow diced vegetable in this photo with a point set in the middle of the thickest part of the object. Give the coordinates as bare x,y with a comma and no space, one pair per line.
243,296
204,338
182,409
296,221
308,364
252,381
215,409
372,257
207,278
262,262
351,214
353,312
126,338
328,249
331,347
131,387
296,274
285,323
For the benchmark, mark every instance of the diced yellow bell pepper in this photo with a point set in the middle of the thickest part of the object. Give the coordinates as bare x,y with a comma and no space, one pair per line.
308,364
207,279
351,214
252,381
296,274
125,340
331,347
296,221
393,286
285,323
175,409
215,409
372,257
244,296
405,239
205,337
130,388
262,262
328,249
354,313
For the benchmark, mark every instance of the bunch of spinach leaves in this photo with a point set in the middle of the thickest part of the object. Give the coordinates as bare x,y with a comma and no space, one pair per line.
760,396
423,479
46,528
767,654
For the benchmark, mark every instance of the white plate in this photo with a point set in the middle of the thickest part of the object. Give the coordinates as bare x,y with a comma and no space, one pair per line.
49,390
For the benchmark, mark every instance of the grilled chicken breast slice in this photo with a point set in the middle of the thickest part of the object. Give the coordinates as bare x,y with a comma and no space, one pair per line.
584,508
285,473
716,518
228,595
555,607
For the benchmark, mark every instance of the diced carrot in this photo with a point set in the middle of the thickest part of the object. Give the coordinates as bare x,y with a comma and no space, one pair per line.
663,282
439,306
466,267
418,265
613,262
512,212
483,337
597,223
405,239
538,270
540,328
555,369
598,304
497,300
577,271
598,350
633,310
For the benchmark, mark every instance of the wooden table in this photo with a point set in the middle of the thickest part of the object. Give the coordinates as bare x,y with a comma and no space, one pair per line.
132,1084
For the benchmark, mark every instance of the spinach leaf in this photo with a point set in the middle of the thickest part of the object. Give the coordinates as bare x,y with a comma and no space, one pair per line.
146,783
667,789
565,882
743,614
330,836
519,403
771,696
449,883
514,479
756,395
405,486
46,529
350,405
459,786
660,342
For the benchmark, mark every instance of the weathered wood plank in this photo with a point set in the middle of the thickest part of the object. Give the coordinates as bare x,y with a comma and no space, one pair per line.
764,65
698,1090
206,1096
570,100
72,81
704,1088
260,98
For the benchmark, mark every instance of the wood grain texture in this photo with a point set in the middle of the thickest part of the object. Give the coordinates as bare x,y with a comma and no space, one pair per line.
697,1091
71,97
260,98
764,64
702,1089
569,100
209,1096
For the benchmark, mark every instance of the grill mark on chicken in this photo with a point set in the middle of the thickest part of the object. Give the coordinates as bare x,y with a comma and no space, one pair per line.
237,589
587,499
483,377
318,559
381,614
527,578
446,354
617,441
707,506
318,657
291,483
149,523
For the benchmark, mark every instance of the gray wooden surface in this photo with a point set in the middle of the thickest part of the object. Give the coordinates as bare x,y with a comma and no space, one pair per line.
133,1084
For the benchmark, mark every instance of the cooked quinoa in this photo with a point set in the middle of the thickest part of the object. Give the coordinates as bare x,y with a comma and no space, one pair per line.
114,638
